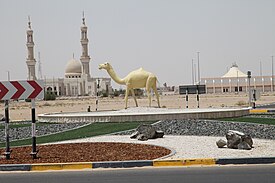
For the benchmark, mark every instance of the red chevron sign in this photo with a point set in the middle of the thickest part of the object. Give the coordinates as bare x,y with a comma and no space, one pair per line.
30,89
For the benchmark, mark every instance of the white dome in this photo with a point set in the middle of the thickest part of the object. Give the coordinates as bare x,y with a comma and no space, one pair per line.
234,72
73,67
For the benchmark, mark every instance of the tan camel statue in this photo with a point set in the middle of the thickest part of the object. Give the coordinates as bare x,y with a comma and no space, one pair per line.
135,79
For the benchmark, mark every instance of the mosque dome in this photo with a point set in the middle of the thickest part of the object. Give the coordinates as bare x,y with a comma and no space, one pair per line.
73,69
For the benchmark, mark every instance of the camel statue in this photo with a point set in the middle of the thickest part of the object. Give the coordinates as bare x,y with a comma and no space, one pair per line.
135,79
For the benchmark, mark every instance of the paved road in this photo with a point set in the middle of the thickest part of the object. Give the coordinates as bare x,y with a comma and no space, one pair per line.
219,174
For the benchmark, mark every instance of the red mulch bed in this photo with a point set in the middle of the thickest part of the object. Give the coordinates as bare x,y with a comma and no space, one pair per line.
85,152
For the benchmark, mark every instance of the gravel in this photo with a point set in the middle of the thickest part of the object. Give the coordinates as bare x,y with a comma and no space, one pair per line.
44,129
211,128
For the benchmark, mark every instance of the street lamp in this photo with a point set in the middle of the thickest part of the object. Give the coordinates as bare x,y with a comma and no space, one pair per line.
272,73
8,72
199,78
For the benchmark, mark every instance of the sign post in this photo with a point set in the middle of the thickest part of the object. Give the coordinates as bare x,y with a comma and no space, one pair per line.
21,90
34,151
7,152
249,88
186,97
192,89
97,94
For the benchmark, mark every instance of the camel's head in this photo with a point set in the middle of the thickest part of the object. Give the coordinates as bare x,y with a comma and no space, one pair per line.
105,66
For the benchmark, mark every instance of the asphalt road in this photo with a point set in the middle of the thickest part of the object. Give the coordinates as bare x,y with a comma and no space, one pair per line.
219,174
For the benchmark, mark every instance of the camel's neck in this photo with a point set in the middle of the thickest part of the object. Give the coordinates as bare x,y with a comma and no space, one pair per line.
115,77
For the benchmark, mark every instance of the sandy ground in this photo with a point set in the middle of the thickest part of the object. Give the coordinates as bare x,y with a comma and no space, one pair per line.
22,110
193,146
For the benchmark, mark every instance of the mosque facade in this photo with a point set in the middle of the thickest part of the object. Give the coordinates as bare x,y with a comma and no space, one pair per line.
77,80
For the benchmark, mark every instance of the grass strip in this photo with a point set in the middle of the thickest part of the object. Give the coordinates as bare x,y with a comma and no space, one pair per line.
91,130
268,121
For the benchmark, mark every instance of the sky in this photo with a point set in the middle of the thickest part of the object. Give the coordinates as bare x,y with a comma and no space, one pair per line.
162,36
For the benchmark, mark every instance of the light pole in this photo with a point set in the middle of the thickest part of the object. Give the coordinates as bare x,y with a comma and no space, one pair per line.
272,73
192,71
199,78
8,72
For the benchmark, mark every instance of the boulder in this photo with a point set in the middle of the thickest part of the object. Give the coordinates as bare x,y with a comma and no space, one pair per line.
248,140
147,130
159,134
221,143
238,140
142,137
134,135
244,146
233,139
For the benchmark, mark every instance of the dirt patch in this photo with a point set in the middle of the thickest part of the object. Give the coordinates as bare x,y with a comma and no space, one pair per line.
85,152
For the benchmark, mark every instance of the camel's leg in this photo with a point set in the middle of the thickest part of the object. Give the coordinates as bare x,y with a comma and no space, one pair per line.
133,93
156,93
126,97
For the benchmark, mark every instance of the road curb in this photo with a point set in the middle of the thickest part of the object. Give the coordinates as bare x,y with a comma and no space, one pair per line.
122,164
238,161
15,167
60,166
185,162
138,163
261,110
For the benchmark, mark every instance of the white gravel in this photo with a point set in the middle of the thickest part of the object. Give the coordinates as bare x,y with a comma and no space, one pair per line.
193,146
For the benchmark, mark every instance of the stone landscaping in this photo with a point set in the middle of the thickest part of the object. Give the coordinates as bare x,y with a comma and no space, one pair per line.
211,128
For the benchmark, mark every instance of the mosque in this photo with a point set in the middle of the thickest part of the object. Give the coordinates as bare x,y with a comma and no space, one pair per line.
77,80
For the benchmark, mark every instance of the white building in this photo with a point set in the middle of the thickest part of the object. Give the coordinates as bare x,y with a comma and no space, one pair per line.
77,80
235,81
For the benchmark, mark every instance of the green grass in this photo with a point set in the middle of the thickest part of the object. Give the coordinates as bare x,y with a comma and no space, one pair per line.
268,121
91,130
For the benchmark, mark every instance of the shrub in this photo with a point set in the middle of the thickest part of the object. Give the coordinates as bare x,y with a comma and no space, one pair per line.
49,96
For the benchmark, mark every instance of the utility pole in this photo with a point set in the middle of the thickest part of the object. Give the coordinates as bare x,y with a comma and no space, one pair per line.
199,77
8,72
272,73
192,71
261,74
195,73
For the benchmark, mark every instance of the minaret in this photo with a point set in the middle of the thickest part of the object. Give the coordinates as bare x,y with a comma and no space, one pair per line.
30,60
85,58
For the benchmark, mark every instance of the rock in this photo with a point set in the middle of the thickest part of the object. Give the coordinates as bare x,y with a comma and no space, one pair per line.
233,139
147,130
237,132
134,135
221,143
244,146
159,134
142,137
248,140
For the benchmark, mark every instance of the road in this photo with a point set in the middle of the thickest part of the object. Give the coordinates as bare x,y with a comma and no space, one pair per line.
219,174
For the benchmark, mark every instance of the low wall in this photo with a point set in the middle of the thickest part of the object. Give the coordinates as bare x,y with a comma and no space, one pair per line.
117,116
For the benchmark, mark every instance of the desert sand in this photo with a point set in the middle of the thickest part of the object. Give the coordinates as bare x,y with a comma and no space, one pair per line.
21,110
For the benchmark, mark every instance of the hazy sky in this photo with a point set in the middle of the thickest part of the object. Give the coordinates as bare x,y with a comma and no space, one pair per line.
162,36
